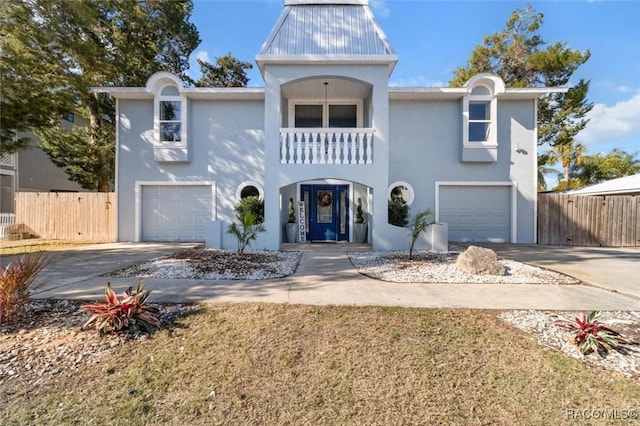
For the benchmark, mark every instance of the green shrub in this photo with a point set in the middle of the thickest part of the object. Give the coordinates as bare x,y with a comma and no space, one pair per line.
247,230
127,314
17,282
398,212
254,204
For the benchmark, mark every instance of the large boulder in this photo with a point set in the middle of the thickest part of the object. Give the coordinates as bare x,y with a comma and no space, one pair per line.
480,261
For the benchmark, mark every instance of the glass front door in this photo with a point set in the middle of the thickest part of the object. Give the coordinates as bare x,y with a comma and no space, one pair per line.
327,212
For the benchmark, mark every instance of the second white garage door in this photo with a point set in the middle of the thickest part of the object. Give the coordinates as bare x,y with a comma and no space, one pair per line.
476,213
175,212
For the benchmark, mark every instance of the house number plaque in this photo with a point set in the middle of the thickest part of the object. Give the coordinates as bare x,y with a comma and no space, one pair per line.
302,225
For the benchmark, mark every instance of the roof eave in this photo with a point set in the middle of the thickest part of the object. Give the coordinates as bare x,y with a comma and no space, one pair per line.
530,92
215,93
324,59
424,93
124,92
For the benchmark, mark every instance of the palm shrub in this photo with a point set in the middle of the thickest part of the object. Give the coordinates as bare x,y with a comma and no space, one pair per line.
247,230
17,283
127,313
255,204
419,224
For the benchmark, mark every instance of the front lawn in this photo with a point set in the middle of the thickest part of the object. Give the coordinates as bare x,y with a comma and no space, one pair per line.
283,364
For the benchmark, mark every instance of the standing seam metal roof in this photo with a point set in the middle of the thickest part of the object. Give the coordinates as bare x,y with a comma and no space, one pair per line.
330,29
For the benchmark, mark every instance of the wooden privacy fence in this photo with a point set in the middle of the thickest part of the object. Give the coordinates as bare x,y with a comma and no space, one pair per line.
87,216
587,220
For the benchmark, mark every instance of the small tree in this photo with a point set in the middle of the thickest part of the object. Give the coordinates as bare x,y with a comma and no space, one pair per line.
247,230
359,213
292,212
419,224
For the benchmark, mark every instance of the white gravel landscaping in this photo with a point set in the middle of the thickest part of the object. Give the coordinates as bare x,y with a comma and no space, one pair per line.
541,325
216,265
431,267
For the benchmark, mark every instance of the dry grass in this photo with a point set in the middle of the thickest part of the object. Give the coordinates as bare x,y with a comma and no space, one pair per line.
284,364
10,248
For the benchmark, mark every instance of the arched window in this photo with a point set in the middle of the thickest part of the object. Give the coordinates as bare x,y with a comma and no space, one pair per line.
249,189
170,117
401,191
400,197
480,110
250,195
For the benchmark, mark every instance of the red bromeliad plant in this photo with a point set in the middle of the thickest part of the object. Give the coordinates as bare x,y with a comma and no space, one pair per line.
589,334
128,313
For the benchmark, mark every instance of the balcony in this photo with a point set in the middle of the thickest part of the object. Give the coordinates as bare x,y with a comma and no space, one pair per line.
326,146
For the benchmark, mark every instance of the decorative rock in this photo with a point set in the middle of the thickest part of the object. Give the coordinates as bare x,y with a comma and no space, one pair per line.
479,260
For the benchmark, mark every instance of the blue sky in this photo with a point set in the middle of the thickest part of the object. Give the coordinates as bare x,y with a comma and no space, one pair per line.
432,38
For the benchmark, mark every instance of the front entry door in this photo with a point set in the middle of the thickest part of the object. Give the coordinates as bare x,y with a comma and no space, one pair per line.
327,209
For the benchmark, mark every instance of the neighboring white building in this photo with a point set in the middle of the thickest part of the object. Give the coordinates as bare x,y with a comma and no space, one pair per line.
627,185
326,130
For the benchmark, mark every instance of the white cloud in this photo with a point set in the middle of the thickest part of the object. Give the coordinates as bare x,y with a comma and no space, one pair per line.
203,55
627,89
611,123
380,8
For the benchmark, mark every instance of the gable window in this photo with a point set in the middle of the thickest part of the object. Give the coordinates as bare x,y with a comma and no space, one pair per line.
170,115
479,121
479,112
170,121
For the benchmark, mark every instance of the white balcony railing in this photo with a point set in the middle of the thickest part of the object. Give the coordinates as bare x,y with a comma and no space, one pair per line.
326,146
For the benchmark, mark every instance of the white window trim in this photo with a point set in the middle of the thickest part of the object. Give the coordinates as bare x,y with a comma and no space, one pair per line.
412,194
138,200
514,200
183,120
493,123
249,183
325,109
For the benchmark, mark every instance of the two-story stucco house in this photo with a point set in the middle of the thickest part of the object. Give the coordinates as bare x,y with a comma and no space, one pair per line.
326,130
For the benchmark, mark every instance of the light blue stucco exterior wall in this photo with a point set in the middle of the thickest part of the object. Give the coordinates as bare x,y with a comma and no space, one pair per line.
231,142
225,146
426,141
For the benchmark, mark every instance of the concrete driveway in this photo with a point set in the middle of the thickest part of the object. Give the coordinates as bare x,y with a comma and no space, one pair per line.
327,277
616,269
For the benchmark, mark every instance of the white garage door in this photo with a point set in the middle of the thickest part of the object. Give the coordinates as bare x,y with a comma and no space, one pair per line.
476,213
175,212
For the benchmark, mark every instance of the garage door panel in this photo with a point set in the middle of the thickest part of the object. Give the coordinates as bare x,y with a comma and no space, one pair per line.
175,212
476,213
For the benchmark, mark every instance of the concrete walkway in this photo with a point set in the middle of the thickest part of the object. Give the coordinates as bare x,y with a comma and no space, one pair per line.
327,277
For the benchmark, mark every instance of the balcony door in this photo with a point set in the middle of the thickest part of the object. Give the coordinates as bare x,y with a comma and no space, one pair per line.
343,114
327,209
